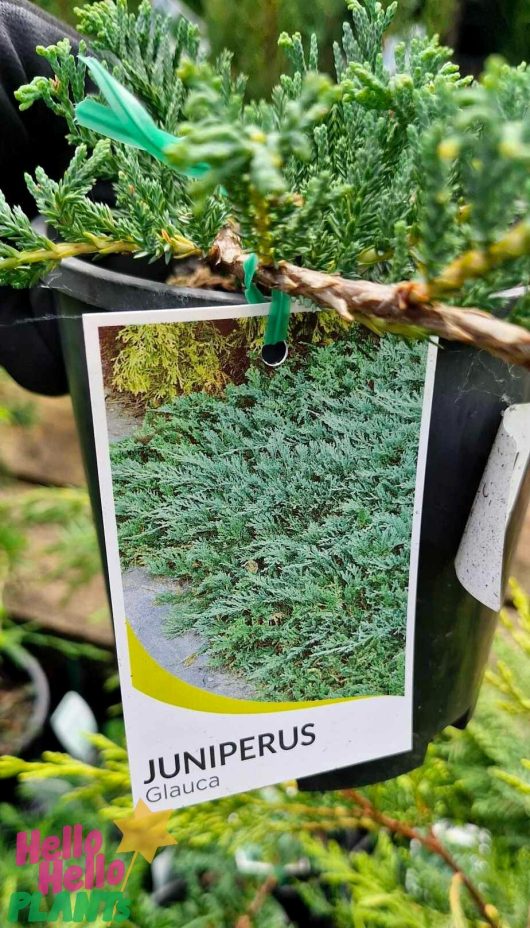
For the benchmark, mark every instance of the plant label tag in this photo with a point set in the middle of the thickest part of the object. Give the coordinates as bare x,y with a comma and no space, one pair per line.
483,556
262,533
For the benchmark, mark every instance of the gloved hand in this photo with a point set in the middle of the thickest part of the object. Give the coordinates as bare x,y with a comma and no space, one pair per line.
31,353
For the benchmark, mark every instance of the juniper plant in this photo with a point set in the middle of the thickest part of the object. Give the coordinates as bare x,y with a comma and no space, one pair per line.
380,177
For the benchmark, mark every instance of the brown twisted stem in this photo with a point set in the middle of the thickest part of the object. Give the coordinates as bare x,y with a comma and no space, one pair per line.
404,308
264,891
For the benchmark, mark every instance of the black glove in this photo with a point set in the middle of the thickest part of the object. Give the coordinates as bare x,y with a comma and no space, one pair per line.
30,352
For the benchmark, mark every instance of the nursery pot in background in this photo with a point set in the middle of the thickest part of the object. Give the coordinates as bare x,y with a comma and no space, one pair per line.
25,701
471,392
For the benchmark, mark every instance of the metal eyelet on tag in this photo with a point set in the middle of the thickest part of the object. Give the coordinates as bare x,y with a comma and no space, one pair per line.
275,355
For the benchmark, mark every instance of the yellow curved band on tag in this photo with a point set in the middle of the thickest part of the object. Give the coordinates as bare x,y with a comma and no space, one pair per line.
153,680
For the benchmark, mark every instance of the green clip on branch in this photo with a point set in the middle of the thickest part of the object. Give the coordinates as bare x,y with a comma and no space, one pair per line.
275,343
125,119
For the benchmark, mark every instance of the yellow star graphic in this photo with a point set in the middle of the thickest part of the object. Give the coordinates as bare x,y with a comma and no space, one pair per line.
144,832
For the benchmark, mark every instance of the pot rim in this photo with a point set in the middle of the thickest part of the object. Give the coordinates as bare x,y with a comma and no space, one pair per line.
114,291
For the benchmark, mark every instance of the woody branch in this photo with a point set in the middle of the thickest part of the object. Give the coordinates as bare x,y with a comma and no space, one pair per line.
407,307
431,843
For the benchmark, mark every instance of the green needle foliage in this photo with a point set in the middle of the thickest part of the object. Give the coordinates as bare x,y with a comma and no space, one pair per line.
366,172
473,791
280,506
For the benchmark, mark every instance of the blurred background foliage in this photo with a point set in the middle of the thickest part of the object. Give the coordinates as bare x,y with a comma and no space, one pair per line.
278,858
250,28
61,8
498,25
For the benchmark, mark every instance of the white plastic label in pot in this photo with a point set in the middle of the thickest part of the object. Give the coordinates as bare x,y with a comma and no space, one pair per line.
71,722
481,557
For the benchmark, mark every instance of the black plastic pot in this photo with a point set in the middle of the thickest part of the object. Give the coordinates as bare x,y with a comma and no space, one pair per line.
453,630
472,389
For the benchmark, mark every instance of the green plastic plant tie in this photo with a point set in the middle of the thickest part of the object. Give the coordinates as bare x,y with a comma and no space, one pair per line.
126,120
280,306
278,321
252,293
